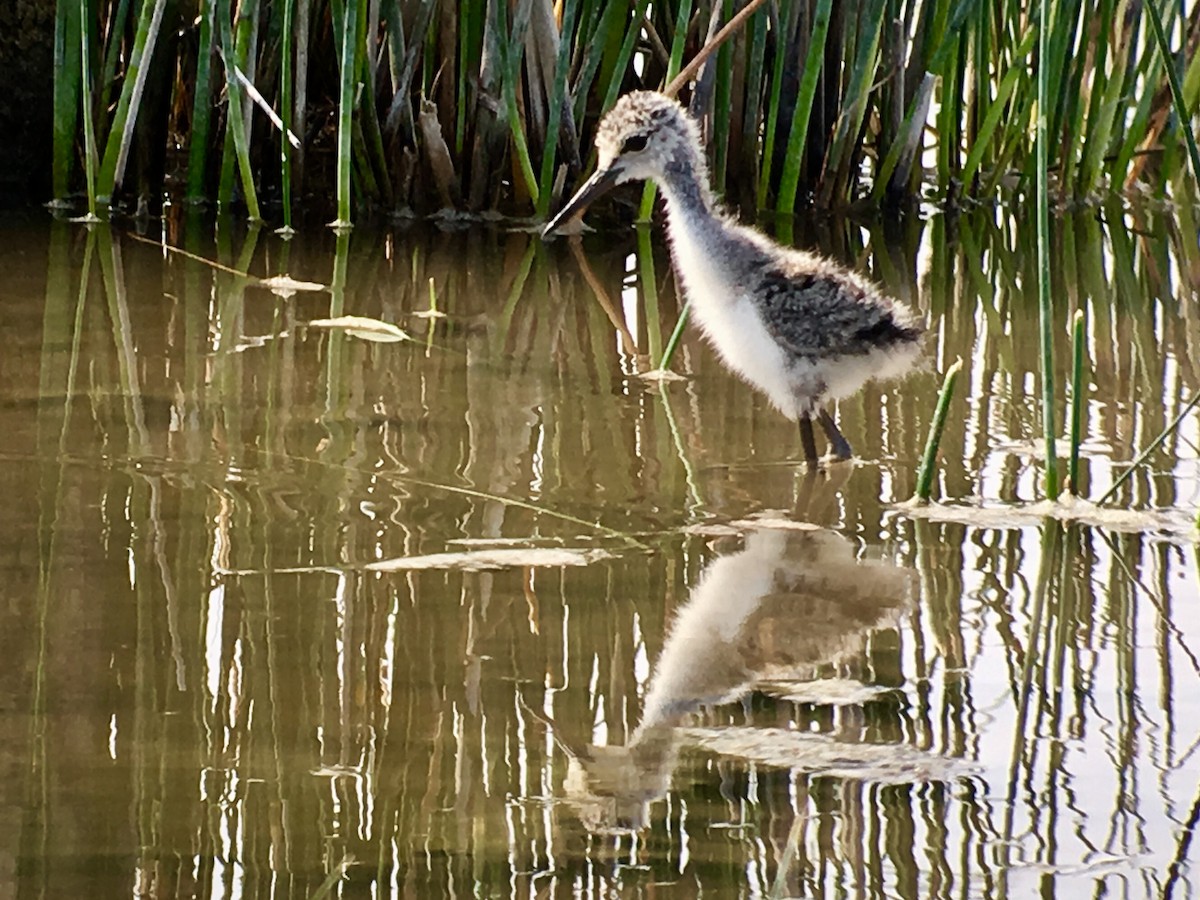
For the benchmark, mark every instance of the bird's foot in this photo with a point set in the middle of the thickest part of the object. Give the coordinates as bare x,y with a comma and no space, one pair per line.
839,447
840,452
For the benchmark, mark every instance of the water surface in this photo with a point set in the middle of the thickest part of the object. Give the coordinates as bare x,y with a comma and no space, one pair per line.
728,679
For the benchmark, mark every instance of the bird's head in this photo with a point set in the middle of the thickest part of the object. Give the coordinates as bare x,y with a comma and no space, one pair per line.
637,140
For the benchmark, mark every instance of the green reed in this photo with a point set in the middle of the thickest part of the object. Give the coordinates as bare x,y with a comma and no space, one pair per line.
1045,312
1180,101
806,103
234,54
814,56
202,104
85,94
120,135
347,50
1078,395
286,94
929,458
67,68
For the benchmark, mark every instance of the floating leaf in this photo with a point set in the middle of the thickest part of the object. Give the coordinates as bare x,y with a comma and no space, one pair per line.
768,518
658,376
364,328
495,558
480,543
286,286
1068,509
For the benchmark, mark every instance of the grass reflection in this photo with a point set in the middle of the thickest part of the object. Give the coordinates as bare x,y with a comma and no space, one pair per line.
219,678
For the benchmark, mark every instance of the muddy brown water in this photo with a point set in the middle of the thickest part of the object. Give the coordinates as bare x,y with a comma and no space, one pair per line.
292,613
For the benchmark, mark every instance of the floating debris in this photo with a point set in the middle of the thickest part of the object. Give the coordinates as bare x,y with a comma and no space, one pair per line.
495,558
286,286
767,518
1066,509
364,328
254,341
479,543
661,376
826,691
821,754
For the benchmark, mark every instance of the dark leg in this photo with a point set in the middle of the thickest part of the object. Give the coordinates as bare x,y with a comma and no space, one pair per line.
807,441
838,445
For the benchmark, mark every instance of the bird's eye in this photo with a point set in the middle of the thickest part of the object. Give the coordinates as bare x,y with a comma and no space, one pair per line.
634,143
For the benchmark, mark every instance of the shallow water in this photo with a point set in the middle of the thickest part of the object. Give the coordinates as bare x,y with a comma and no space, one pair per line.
290,613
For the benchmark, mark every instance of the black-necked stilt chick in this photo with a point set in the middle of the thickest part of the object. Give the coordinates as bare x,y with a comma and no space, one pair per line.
801,328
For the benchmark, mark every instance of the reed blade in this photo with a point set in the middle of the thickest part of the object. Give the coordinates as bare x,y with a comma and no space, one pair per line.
286,77
676,336
236,122
116,151
202,103
1042,203
558,101
888,100
1177,96
1078,397
929,459
345,110
85,94
66,92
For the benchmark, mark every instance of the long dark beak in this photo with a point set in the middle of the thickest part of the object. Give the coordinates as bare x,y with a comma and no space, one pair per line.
598,185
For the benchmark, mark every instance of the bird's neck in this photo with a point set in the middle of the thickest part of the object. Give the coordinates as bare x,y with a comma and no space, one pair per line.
701,241
684,182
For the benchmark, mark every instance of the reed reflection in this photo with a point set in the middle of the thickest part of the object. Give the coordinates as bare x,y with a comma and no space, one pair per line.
193,477
779,617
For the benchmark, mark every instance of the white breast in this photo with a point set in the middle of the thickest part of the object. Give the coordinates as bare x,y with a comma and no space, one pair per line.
729,319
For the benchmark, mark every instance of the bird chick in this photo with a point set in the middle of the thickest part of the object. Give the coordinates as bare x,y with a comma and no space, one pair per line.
800,328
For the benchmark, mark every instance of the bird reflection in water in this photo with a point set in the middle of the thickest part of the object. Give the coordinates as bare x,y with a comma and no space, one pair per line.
792,602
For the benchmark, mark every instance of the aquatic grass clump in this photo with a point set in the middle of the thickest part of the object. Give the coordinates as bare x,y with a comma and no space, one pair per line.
416,107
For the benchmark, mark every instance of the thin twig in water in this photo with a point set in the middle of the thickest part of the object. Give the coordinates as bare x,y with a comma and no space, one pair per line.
1141,457
193,256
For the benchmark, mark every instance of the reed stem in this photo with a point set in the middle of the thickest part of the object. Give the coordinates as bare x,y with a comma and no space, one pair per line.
285,111
675,338
66,90
790,102
85,93
929,459
236,120
345,113
557,103
202,104
1078,396
116,151
790,180
1177,97
1045,312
